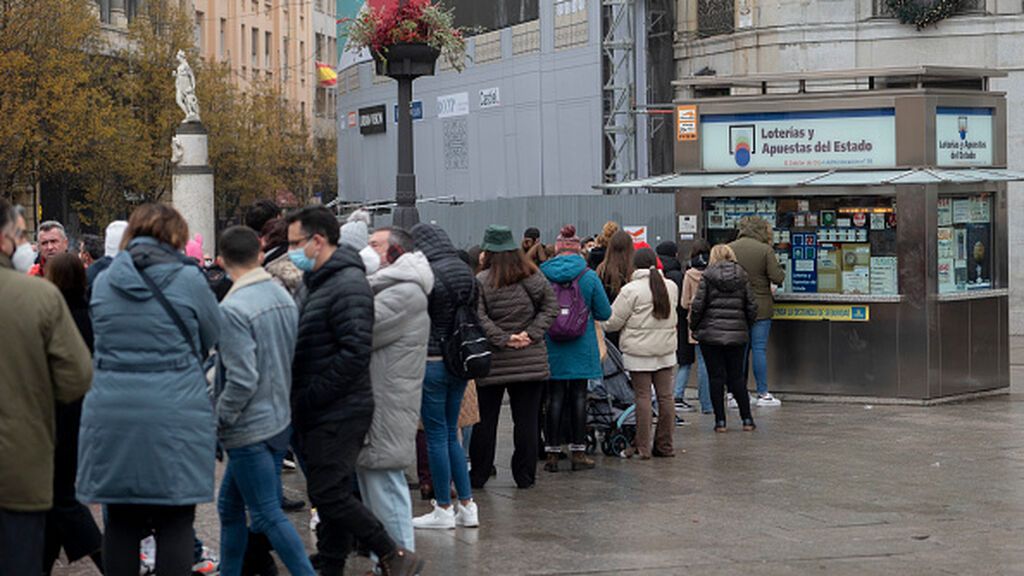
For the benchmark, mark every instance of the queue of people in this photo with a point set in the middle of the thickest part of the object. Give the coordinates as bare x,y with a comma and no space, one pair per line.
338,345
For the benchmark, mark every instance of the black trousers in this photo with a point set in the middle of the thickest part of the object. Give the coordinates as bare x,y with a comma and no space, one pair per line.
329,451
566,396
21,542
725,370
127,524
524,399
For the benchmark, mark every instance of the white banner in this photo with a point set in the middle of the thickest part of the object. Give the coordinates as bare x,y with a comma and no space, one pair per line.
799,140
963,136
453,105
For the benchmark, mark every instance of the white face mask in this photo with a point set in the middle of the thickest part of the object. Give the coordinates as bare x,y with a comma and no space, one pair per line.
371,260
24,257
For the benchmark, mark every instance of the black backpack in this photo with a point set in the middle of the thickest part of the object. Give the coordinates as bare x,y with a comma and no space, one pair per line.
465,349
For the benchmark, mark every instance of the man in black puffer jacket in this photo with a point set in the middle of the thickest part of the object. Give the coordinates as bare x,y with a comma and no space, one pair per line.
332,400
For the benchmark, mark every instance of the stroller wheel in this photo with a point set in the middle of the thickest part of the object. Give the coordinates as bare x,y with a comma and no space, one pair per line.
606,446
619,444
629,432
591,442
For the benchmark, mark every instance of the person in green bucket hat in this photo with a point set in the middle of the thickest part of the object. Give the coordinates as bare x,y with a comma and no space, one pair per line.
516,308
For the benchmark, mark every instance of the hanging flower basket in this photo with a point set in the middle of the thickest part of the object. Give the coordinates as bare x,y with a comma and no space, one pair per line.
407,60
407,40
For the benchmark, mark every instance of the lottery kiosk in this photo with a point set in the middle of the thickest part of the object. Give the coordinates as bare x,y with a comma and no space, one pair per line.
886,191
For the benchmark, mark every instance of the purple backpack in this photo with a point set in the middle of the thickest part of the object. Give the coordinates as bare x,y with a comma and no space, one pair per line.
573,312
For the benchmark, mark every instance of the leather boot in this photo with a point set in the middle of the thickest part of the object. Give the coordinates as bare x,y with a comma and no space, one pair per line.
580,461
552,462
401,562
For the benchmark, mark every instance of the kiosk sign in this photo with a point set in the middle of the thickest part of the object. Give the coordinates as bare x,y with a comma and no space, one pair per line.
799,140
963,136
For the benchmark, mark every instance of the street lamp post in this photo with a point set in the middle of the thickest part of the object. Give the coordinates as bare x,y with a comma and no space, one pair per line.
405,63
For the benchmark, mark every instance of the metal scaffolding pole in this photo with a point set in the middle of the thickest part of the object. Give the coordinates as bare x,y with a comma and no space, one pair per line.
619,91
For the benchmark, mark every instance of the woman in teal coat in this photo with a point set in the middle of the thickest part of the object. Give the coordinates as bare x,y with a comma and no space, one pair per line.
148,434
573,362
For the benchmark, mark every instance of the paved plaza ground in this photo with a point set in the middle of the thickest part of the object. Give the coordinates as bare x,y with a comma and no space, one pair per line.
817,489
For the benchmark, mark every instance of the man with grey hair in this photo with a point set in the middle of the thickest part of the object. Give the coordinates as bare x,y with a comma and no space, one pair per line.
43,361
53,240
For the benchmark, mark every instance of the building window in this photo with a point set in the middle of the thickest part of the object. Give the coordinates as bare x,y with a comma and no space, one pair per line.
267,43
715,17
199,32
284,60
965,243
881,8
825,244
302,61
241,46
222,37
255,48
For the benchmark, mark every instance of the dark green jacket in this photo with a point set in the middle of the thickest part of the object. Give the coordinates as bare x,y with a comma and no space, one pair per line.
43,360
758,259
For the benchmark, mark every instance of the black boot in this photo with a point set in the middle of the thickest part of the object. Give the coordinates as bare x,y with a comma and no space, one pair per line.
401,562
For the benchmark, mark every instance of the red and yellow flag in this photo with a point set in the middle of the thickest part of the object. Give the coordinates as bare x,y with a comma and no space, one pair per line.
326,75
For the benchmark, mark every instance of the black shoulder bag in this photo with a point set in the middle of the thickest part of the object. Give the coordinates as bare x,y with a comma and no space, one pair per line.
159,295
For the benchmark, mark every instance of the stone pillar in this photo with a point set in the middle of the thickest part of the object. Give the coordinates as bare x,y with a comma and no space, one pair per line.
118,14
192,183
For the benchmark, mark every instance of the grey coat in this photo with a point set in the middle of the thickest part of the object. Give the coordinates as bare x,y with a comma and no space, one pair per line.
254,380
528,305
725,306
401,329
148,433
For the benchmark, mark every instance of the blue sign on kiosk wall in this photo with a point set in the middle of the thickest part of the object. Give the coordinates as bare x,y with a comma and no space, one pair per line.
804,258
416,107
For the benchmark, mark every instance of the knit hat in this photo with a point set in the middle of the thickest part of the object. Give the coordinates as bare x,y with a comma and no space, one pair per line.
499,239
567,240
355,231
194,248
667,249
112,239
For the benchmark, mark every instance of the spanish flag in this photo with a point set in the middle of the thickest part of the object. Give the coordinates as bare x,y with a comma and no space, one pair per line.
326,75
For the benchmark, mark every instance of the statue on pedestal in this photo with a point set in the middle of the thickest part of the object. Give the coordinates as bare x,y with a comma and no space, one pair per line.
185,84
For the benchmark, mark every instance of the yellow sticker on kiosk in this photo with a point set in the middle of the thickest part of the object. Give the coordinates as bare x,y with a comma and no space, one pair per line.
830,312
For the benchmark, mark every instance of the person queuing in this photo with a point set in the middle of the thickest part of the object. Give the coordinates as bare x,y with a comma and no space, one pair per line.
573,355
753,250
154,319
616,269
44,361
69,524
444,393
601,244
700,252
332,398
721,314
111,246
401,329
53,240
645,312
274,239
515,310
259,324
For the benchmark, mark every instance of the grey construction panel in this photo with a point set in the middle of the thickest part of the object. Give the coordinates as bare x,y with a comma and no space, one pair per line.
543,140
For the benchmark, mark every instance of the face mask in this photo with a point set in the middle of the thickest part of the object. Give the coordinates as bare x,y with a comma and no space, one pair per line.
371,260
23,258
301,261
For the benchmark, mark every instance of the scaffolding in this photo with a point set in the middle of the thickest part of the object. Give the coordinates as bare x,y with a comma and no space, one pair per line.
618,50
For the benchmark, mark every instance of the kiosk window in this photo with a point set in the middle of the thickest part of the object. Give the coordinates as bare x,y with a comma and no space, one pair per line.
828,244
964,243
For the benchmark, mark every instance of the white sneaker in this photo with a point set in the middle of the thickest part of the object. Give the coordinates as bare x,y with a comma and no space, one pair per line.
731,401
314,519
467,516
439,519
768,400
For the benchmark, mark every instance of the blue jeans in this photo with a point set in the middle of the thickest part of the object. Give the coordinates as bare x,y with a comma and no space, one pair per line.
442,400
252,481
758,348
683,376
386,494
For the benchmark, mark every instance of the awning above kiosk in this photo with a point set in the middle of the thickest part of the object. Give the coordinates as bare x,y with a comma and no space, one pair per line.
820,178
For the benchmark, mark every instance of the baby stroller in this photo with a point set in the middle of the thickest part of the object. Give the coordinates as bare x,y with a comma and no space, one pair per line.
611,412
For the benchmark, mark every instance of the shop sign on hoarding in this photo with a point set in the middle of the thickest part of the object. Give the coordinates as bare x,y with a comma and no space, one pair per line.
372,120
963,136
799,140
831,312
453,105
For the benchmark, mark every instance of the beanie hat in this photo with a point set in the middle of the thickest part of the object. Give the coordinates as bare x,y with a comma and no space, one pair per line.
355,232
667,249
194,247
567,240
112,239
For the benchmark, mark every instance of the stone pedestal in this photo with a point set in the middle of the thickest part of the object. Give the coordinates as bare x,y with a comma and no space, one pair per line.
192,183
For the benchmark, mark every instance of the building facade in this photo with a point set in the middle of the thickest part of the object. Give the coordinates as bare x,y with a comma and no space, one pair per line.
747,37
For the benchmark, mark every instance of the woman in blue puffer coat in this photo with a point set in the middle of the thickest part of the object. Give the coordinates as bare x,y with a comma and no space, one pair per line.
148,432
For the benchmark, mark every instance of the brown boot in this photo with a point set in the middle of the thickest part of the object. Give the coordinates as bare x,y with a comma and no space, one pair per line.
552,462
580,461
401,562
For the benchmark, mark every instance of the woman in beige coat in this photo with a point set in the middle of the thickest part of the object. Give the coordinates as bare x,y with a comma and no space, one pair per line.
645,312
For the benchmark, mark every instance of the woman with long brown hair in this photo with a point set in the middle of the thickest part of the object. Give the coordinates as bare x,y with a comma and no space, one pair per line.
69,524
597,253
516,307
645,312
